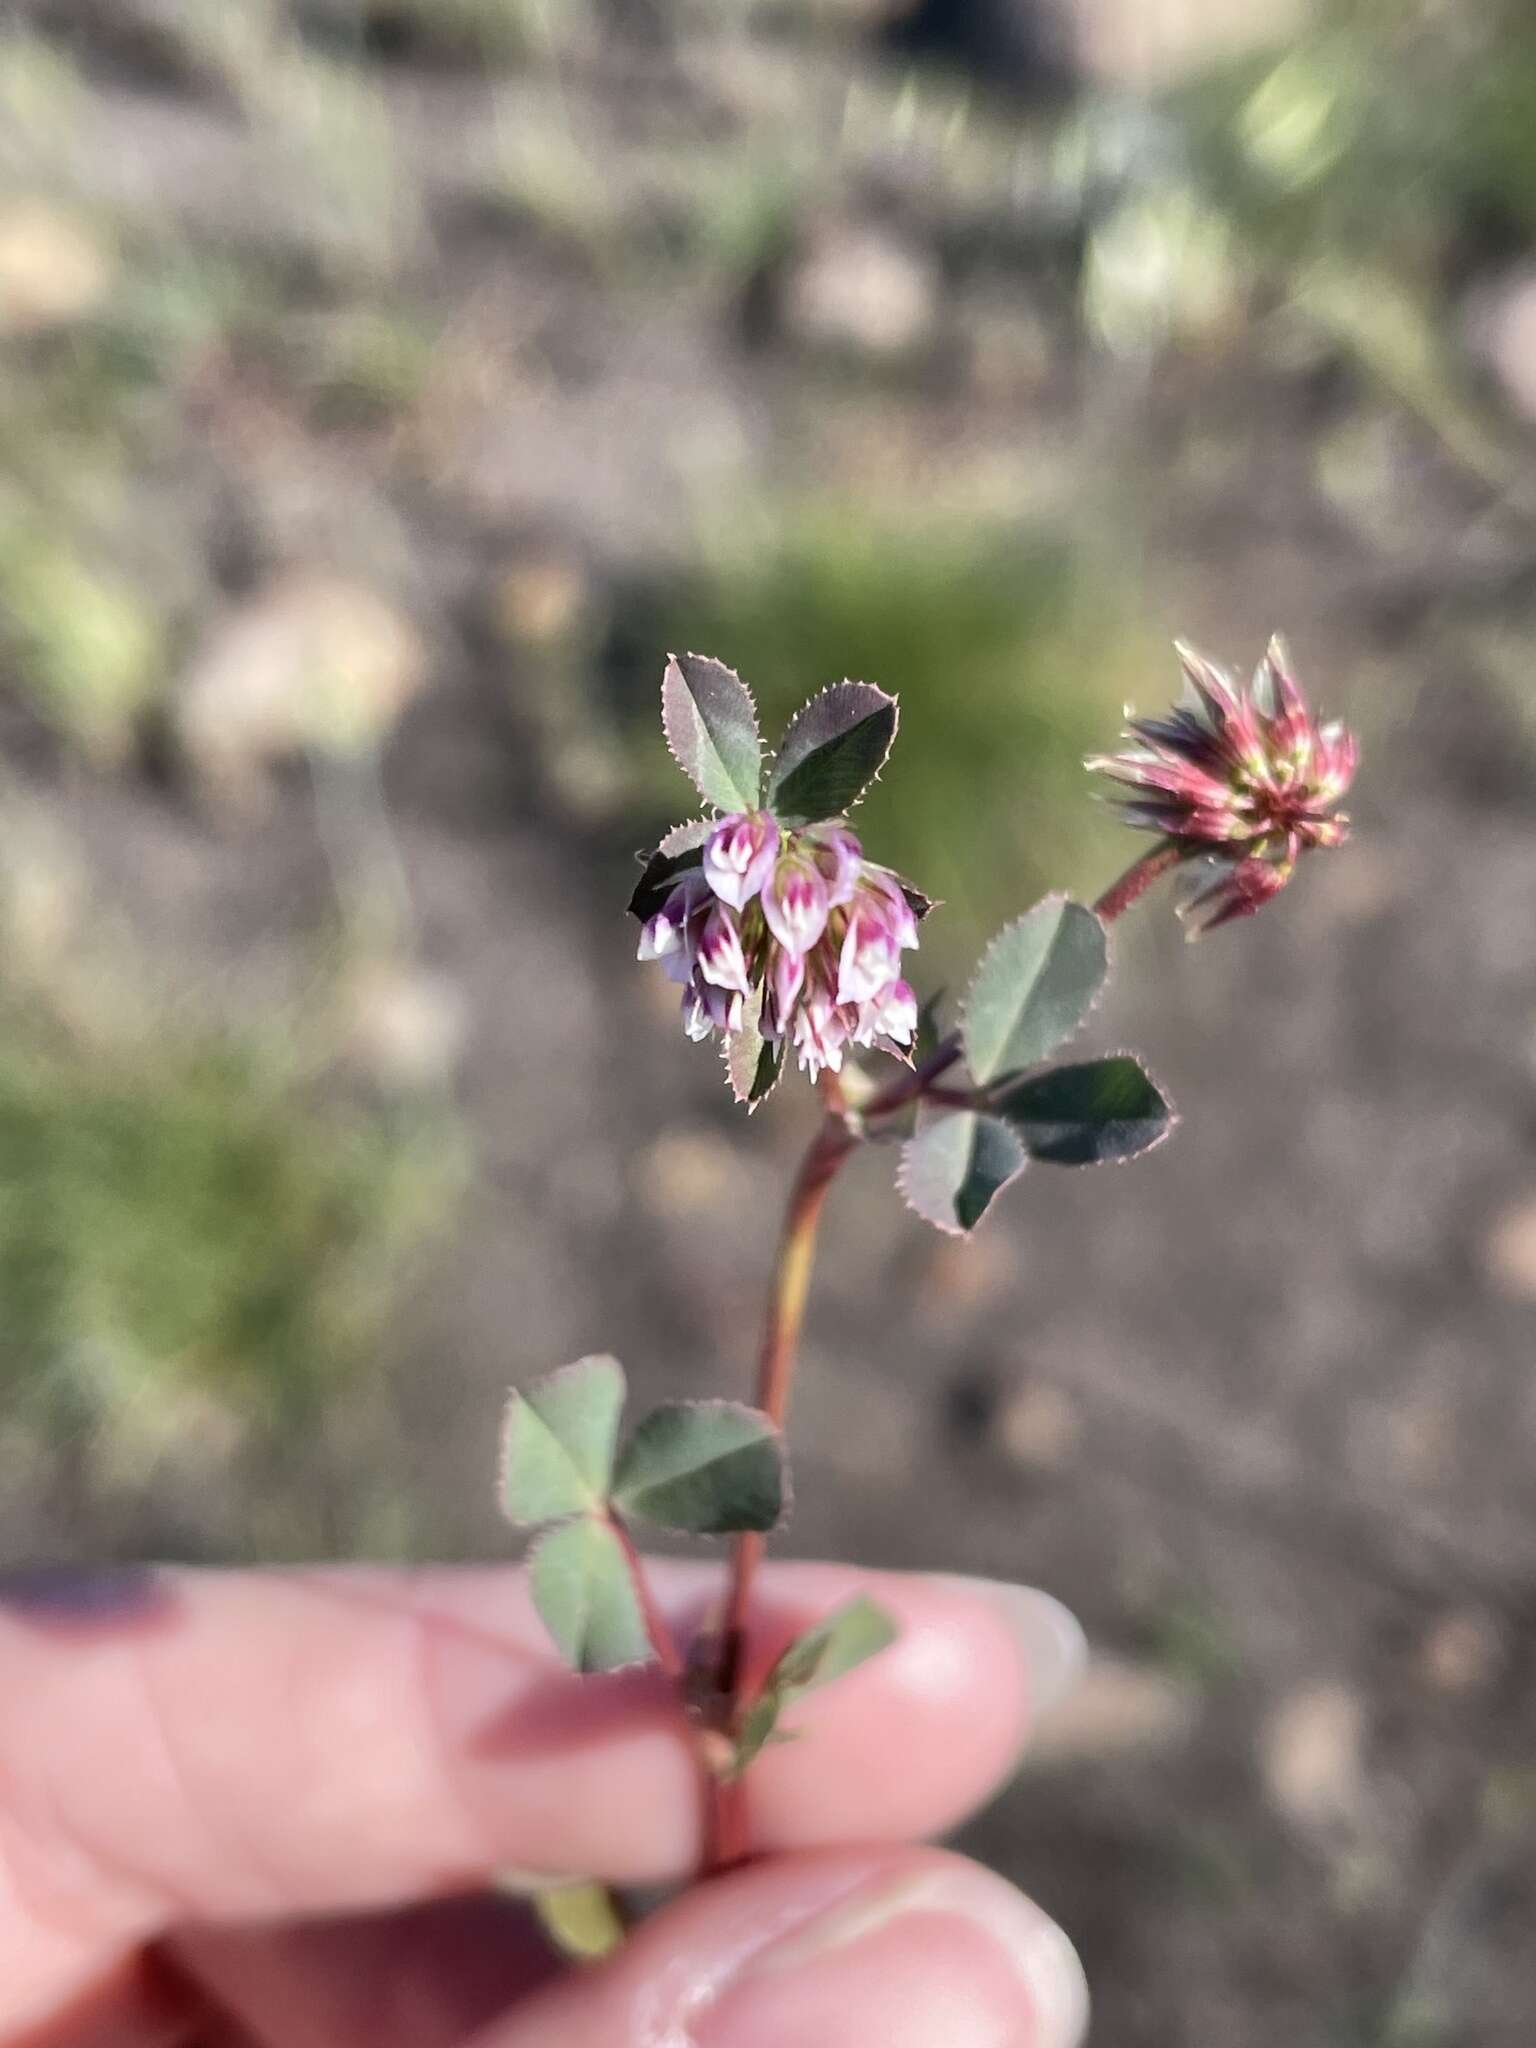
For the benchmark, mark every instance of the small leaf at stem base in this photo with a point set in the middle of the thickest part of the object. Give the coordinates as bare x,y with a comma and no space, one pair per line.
838,1645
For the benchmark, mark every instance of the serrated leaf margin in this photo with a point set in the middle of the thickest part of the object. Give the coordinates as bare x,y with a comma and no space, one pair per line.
1051,896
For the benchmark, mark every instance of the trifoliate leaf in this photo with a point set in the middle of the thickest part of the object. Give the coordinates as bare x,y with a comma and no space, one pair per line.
707,1468
558,1441
832,750
582,1587
1036,983
711,727
953,1166
1082,1115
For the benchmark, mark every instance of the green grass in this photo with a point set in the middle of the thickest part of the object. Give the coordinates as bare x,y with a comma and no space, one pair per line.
180,1213
78,638
1012,655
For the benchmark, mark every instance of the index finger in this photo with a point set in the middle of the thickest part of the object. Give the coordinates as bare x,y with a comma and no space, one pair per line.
203,1745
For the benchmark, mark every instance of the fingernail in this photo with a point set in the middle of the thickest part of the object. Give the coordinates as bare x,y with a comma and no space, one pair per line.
1050,1635
951,1954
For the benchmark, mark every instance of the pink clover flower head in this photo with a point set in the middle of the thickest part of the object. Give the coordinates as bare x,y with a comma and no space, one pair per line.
1250,775
798,922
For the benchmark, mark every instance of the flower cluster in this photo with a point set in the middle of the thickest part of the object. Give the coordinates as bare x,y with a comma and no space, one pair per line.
1251,776
798,925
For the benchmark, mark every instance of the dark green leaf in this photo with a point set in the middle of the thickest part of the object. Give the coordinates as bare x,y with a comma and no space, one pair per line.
838,1645
682,849
954,1164
711,727
834,748
558,1441
708,1468
1036,983
582,1588
1082,1115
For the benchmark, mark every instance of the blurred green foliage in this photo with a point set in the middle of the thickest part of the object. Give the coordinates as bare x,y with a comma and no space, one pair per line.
84,645
180,1208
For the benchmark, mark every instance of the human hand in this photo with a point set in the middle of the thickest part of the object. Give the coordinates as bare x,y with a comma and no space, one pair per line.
262,1808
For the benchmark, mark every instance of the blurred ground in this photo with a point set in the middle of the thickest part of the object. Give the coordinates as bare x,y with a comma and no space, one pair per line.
385,386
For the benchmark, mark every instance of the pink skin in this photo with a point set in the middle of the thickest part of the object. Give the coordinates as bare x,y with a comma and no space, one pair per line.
321,1769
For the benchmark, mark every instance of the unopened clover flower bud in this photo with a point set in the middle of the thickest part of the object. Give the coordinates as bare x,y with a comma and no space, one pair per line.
739,856
795,903
871,956
839,859
786,978
820,1036
886,890
671,936
892,1014
720,958
707,1008
1251,776
1237,890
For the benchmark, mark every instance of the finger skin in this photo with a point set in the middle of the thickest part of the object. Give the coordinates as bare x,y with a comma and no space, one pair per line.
271,1743
900,1947
419,1977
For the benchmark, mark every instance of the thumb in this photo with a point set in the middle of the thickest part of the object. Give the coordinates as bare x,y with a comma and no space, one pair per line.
905,1947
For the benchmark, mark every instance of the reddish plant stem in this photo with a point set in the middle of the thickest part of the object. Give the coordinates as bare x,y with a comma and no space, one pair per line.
832,1144
1137,880
668,1654
839,1135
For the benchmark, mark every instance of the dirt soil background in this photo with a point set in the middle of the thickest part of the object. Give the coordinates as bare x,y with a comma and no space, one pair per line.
500,343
